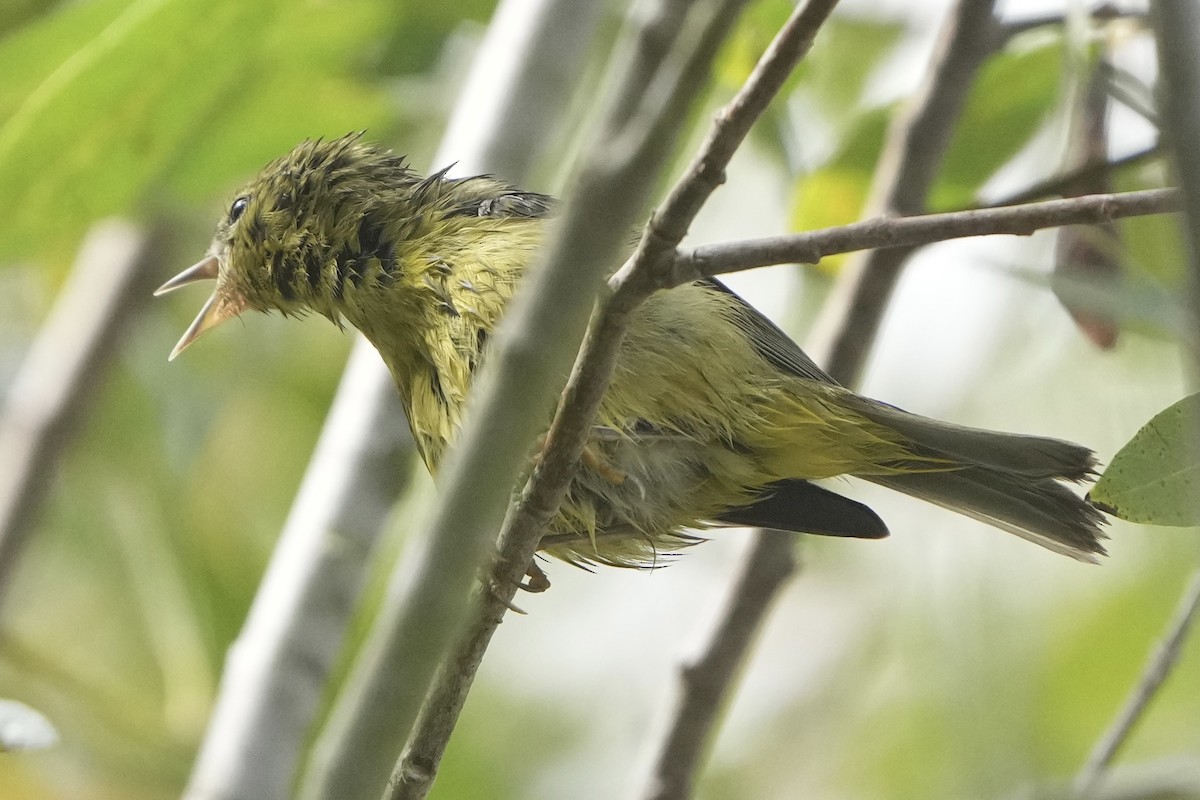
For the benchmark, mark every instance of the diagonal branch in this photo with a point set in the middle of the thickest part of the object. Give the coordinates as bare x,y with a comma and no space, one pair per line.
581,399
916,142
908,165
1155,673
1057,185
705,682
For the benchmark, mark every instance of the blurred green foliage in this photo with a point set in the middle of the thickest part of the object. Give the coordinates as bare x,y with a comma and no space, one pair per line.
161,518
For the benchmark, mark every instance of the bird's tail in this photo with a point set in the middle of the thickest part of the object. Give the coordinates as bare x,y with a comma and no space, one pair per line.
1007,480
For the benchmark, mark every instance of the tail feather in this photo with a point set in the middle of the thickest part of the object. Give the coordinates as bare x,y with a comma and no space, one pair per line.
1030,456
1040,510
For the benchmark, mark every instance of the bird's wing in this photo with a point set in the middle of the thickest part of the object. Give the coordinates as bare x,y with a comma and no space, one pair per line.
771,343
517,204
803,507
484,196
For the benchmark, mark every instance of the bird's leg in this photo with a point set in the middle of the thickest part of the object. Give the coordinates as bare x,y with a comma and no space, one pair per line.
536,581
591,457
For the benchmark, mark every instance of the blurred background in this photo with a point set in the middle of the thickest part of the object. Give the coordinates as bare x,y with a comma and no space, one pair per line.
949,660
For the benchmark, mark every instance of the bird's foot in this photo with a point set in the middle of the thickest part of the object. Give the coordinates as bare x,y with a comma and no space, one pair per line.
535,582
597,462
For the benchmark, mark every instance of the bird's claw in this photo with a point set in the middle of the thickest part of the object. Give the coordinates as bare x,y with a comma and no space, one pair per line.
536,582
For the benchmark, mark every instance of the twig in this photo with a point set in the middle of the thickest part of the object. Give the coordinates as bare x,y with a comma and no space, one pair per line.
597,357
1156,671
1060,184
705,683
694,716
1131,92
50,392
618,176
1100,13
910,232
532,57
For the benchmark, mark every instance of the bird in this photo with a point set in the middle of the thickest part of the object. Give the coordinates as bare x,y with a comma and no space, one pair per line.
714,417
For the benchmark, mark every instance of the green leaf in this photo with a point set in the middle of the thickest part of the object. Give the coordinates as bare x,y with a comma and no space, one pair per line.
835,193
1153,244
112,101
1013,94
1155,477
843,59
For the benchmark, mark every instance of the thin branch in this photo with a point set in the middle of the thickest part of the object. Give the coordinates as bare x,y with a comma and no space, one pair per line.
1155,673
50,393
1177,25
581,398
705,683
704,693
1060,184
671,221
276,674
1131,92
1100,13
911,232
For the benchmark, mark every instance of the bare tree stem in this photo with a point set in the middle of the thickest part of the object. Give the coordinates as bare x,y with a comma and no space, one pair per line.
910,232
612,188
1155,673
581,398
49,394
705,682
524,72
705,686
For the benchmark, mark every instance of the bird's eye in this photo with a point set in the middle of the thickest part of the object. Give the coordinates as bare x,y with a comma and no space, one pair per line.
238,208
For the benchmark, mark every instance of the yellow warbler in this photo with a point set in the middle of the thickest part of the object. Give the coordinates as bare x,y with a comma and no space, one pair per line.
714,416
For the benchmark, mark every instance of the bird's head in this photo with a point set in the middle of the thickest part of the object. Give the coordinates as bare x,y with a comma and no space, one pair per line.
296,238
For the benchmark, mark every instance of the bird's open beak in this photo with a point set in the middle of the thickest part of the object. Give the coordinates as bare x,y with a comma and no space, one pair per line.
218,308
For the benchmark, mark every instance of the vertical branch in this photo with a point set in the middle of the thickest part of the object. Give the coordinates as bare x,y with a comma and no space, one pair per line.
704,684
533,57
1177,28
276,671
639,133
49,395
908,166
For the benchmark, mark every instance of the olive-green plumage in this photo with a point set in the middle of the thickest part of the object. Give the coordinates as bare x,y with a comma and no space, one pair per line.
713,416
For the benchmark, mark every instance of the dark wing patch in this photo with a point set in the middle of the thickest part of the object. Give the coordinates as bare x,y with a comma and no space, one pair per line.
516,204
482,196
803,507
771,343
